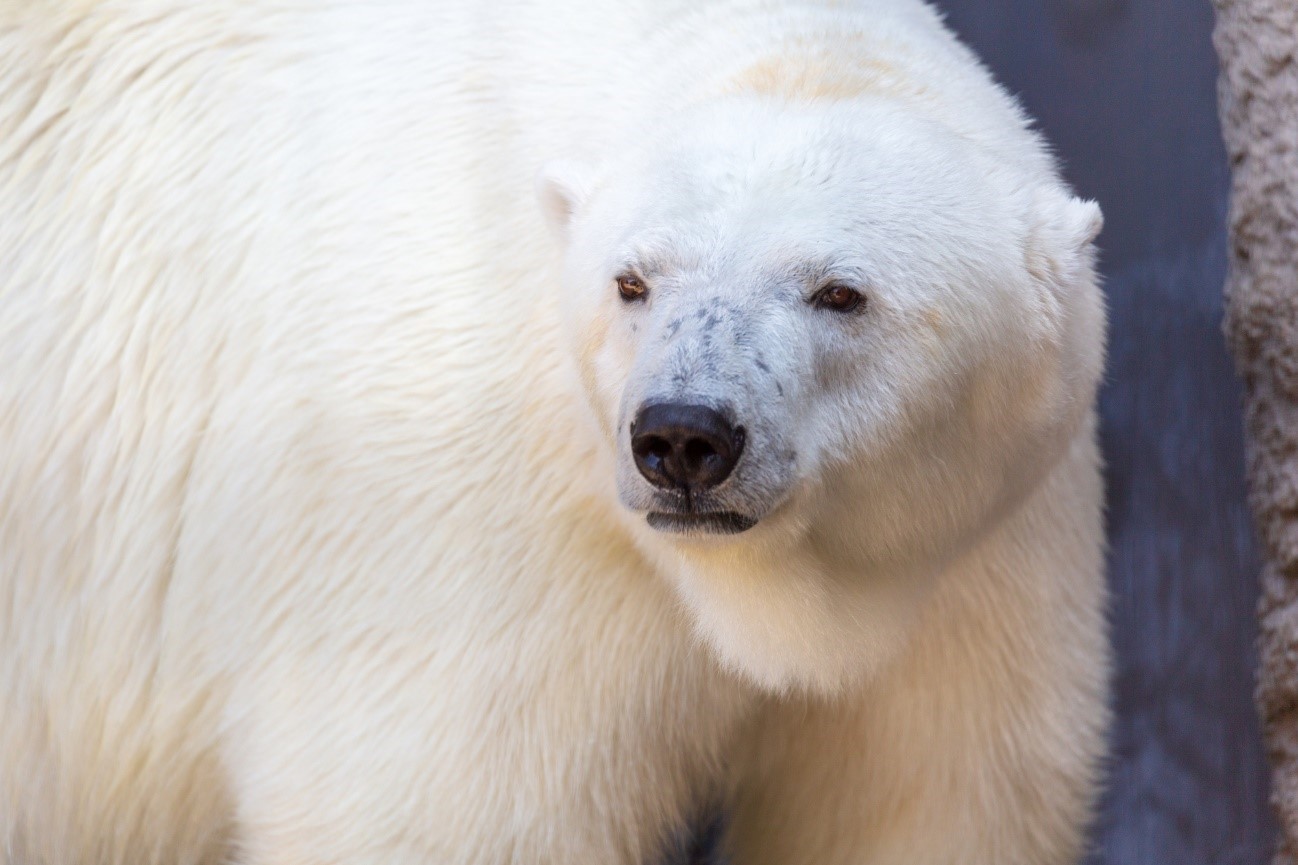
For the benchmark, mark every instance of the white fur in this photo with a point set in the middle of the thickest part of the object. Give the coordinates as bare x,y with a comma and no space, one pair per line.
318,537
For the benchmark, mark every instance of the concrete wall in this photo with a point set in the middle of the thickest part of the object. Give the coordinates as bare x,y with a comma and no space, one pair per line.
1258,44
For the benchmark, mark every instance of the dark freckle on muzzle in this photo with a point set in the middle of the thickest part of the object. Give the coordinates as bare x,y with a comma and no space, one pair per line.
684,446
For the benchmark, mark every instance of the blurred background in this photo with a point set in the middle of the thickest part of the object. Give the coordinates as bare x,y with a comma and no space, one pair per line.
1126,92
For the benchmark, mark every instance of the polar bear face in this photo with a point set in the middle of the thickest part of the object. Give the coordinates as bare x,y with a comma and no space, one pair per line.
839,328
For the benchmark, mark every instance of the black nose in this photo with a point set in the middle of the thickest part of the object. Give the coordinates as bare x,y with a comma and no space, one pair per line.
688,446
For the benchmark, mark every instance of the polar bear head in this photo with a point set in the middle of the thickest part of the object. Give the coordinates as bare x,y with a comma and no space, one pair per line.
827,349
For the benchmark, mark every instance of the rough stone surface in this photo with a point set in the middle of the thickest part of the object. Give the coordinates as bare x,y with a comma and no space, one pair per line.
1257,41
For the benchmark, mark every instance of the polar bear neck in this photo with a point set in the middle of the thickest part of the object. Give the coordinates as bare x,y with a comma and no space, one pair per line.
808,618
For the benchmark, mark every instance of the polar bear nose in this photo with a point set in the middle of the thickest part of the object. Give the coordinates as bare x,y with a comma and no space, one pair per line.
692,447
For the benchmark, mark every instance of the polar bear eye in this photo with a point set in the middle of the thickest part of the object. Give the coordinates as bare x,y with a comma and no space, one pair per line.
839,298
630,287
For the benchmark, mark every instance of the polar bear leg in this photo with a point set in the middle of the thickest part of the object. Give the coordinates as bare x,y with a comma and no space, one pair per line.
815,793
981,745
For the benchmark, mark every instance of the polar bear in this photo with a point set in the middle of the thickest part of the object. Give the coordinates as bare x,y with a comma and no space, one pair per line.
355,508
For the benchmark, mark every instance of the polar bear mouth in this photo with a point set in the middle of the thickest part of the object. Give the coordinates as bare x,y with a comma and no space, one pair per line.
716,522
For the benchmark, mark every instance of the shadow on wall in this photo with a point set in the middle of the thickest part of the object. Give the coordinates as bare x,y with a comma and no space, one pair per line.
1126,91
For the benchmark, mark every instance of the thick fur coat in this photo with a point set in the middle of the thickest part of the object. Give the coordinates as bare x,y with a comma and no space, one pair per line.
321,535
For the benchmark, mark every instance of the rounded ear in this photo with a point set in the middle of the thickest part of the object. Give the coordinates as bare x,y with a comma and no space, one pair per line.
561,187
1058,252
1083,220
1062,230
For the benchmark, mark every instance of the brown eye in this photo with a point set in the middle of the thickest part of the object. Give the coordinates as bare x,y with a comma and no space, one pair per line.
630,287
839,298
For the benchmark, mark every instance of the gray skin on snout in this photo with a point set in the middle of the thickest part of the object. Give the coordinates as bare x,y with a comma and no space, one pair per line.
714,456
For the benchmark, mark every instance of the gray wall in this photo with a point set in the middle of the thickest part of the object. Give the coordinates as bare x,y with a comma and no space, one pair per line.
1126,90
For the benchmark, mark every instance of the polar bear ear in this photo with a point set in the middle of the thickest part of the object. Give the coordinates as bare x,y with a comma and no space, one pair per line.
561,187
1063,229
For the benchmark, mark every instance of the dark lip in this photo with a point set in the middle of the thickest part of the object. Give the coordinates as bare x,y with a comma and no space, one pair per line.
714,523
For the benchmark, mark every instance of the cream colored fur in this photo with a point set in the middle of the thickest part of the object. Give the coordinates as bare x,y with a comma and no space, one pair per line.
311,542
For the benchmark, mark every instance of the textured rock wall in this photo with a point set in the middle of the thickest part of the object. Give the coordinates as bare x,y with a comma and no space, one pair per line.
1257,41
